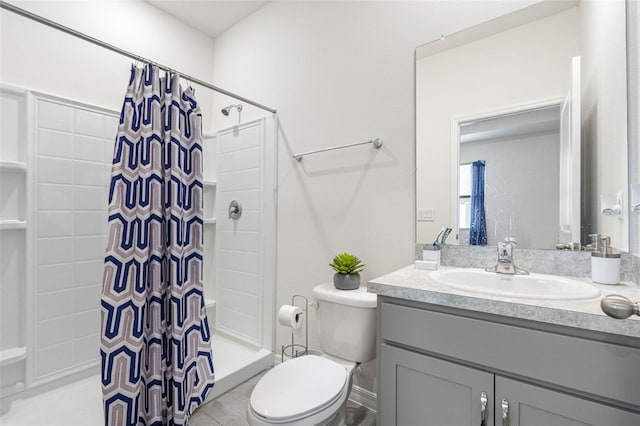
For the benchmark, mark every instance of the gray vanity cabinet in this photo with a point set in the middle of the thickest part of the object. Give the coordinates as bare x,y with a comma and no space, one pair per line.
440,366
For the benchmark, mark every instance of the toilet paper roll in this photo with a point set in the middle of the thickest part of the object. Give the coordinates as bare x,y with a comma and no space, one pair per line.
290,316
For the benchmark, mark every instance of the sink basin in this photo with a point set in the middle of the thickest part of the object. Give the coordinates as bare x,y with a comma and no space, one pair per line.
533,286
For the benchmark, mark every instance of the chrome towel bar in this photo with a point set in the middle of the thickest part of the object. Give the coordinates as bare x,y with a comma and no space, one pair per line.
377,143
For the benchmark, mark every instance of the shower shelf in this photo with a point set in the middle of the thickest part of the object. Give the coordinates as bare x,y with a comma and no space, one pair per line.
209,221
12,224
13,355
209,182
13,166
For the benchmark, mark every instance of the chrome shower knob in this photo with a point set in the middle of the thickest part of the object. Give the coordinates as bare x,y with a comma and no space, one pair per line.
235,210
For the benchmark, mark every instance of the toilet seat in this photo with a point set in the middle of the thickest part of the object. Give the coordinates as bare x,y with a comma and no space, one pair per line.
298,388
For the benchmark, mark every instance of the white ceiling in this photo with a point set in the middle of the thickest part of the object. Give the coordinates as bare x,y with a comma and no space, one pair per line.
212,17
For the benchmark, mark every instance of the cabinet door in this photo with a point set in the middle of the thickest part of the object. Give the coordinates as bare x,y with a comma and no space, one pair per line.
416,389
529,405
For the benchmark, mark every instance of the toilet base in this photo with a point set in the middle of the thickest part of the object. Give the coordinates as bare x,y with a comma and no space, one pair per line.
337,419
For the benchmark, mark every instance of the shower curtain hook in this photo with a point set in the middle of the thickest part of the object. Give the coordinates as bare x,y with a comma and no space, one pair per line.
190,86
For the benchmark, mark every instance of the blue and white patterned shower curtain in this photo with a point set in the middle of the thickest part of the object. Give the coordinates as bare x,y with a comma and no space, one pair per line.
478,227
155,344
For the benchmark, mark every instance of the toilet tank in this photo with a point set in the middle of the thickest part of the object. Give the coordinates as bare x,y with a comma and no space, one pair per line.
346,322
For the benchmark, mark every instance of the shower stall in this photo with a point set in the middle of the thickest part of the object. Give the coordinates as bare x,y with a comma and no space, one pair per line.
55,160
240,245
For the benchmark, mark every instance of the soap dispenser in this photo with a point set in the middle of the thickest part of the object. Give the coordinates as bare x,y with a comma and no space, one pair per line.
605,265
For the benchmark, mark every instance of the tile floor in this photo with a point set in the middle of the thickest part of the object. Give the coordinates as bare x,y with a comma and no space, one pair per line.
80,404
230,409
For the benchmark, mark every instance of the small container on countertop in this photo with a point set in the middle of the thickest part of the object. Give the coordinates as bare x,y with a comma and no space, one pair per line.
430,257
605,265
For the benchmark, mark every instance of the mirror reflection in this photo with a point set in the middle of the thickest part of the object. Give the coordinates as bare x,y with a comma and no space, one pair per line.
503,111
499,160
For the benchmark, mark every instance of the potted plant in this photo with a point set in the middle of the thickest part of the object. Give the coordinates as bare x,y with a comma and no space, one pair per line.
348,268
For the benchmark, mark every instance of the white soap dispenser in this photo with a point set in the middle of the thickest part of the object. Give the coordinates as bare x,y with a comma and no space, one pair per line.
605,265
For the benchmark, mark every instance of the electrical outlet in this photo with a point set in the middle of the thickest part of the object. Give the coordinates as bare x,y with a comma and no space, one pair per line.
426,215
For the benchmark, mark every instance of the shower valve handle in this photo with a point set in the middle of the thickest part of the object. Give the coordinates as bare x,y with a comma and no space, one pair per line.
235,210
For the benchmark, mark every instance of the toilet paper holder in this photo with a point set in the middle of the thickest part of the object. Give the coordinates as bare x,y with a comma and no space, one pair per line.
296,349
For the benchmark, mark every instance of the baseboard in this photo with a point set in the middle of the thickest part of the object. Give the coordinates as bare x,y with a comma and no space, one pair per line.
363,397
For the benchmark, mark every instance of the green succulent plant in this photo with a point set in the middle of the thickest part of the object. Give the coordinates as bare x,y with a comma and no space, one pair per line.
347,264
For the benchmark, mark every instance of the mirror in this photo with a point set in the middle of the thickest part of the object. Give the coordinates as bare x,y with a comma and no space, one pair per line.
510,94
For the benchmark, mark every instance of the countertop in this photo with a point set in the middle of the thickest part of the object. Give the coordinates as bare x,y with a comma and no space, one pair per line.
414,284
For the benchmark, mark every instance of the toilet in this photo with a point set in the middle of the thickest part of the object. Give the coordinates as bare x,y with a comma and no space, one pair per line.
313,389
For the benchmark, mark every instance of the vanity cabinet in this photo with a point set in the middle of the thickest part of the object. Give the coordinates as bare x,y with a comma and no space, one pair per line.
446,368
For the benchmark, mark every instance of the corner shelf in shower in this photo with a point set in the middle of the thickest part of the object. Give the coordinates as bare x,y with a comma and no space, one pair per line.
13,166
6,225
13,355
209,182
209,221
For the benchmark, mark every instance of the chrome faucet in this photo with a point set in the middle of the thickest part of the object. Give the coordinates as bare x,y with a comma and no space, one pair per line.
505,263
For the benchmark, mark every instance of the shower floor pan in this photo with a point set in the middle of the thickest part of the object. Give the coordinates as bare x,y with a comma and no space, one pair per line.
80,403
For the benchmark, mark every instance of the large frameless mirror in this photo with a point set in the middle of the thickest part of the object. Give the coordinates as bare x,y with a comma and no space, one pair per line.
511,140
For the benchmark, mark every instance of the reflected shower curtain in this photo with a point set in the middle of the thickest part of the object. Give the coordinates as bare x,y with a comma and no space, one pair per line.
478,227
155,344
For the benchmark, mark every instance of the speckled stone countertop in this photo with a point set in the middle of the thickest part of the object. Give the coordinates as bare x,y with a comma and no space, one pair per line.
413,284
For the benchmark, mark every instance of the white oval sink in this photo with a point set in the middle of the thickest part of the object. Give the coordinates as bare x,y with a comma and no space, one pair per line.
533,286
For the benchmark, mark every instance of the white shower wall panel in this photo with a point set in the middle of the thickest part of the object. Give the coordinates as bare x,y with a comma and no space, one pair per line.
54,197
238,261
12,277
242,282
250,222
239,301
245,241
242,180
251,200
54,224
239,325
73,153
209,176
54,277
12,196
12,124
243,159
240,274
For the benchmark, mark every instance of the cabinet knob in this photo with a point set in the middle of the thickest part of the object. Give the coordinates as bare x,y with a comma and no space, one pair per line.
505,412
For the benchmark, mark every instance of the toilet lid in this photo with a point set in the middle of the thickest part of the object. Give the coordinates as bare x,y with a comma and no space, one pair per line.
298,387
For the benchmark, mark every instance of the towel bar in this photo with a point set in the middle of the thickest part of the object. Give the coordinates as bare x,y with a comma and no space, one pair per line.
377,143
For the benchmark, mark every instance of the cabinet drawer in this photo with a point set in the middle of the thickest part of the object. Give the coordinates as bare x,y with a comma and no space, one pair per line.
606,371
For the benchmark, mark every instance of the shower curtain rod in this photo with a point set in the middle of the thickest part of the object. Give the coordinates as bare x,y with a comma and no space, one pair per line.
86,37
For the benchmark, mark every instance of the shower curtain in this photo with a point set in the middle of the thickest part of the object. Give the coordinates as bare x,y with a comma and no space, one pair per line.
155,344
478,227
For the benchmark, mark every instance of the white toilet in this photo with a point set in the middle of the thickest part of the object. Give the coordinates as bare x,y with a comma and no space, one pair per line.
313,389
